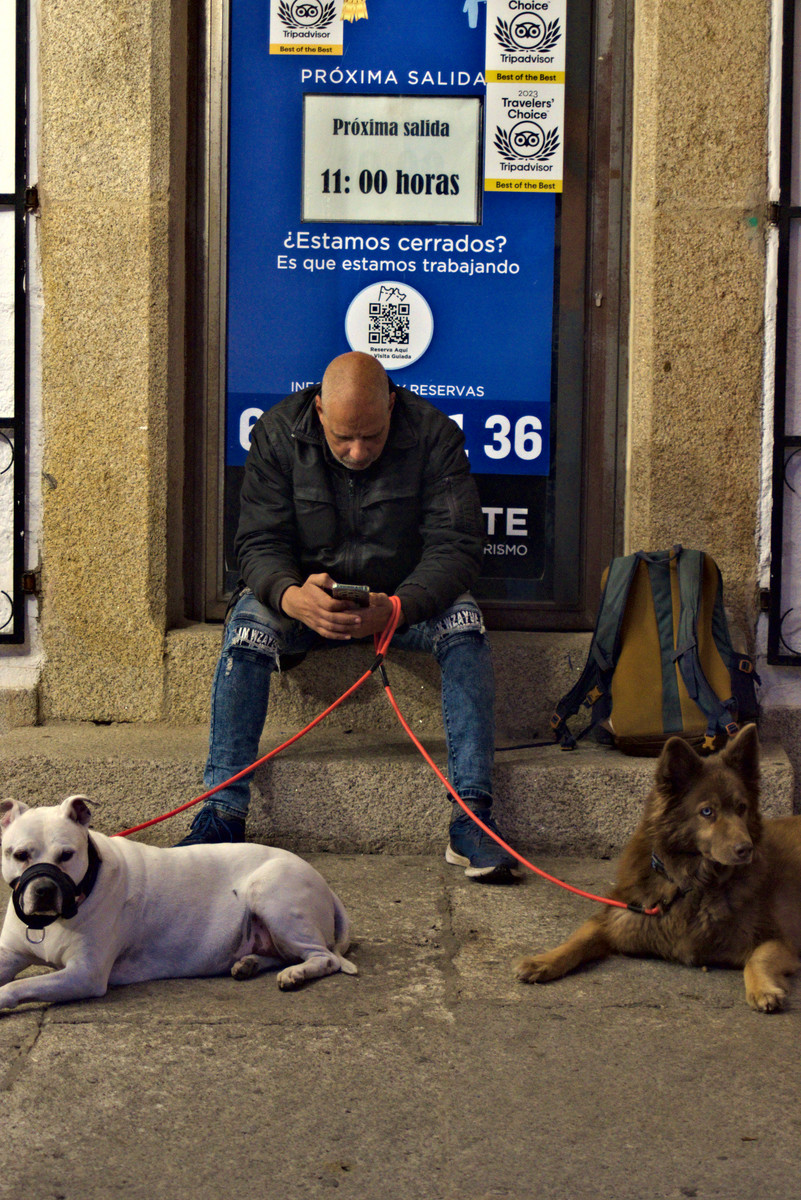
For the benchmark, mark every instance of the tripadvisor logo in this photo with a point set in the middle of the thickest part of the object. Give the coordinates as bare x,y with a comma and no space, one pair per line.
306,14
528,32
527,141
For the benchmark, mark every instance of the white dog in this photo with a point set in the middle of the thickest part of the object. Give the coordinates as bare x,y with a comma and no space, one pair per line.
107,911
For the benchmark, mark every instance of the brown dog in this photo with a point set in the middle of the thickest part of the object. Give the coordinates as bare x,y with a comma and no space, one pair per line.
728,885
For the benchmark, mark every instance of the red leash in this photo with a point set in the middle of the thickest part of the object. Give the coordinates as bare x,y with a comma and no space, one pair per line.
381,642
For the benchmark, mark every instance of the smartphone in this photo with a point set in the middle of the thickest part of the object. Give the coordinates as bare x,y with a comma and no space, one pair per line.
357,593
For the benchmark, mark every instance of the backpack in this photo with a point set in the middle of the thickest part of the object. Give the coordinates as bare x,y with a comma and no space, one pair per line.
661,662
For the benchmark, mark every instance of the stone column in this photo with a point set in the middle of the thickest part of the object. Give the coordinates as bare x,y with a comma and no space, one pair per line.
113,102
699,193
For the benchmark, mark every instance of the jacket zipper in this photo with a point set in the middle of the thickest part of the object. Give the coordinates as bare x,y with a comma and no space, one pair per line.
353,523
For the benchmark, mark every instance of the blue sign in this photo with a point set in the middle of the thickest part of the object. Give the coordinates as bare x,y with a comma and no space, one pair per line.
450,286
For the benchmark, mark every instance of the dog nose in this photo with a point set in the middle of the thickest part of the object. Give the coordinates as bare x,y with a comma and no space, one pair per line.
742,851
44,894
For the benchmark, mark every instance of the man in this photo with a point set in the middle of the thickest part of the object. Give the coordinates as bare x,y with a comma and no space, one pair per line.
354,482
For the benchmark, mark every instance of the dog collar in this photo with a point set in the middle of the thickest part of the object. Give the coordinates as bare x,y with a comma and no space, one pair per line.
660,868
73,894
89,880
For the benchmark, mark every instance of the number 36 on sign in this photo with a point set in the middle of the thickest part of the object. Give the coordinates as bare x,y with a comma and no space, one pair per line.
507,438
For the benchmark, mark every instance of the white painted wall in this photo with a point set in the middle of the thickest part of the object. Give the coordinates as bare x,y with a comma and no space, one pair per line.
20,666
7,42
782,685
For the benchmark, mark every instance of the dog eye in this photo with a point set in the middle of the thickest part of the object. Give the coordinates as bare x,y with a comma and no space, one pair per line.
66,855
706,811
742,809
21,855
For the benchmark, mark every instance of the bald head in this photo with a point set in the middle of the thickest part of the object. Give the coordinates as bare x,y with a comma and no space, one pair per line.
354,407
354,374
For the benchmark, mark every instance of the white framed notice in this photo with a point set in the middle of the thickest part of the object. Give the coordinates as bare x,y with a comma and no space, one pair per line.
392,159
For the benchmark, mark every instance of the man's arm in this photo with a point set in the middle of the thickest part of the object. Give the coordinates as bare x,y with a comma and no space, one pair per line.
452,531
266,539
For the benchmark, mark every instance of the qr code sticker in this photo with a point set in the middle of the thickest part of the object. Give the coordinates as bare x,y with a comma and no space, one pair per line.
388,324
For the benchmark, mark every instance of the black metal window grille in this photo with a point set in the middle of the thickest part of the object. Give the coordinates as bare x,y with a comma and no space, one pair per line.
784,618
12,424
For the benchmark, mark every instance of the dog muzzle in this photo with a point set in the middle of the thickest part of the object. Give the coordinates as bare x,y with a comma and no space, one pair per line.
70,894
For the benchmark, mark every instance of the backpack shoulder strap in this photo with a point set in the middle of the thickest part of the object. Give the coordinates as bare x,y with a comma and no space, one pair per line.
690,565
740,666
592,687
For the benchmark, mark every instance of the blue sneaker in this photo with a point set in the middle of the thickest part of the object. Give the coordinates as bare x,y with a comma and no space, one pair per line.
210,826
481,856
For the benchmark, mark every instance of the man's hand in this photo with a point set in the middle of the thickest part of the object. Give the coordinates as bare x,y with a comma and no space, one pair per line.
340,620
375,617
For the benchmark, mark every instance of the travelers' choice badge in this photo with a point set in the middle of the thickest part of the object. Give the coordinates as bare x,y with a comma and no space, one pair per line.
524,138
526,41
525,107
391,321
306,26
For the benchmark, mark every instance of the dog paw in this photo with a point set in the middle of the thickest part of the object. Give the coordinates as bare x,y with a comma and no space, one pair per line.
290,977
535,969
768,999
246,968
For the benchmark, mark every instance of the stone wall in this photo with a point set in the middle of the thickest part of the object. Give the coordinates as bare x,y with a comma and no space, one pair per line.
699,194
112,187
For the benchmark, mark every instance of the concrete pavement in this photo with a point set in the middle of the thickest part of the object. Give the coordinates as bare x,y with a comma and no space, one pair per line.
432,1075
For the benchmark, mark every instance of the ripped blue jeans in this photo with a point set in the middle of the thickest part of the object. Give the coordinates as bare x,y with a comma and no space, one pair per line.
257,640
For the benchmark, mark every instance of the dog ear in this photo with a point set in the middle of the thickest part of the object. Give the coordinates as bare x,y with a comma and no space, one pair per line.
10,810
742,755
678,768
76,808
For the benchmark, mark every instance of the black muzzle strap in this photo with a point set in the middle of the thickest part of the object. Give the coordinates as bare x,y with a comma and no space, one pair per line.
72,894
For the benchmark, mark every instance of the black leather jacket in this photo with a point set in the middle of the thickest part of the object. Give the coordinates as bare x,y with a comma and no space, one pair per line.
410,524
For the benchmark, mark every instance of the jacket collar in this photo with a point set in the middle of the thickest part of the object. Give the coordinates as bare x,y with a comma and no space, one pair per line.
402,433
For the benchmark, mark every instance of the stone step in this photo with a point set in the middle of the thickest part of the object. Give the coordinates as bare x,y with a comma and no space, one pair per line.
346,792
532,672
